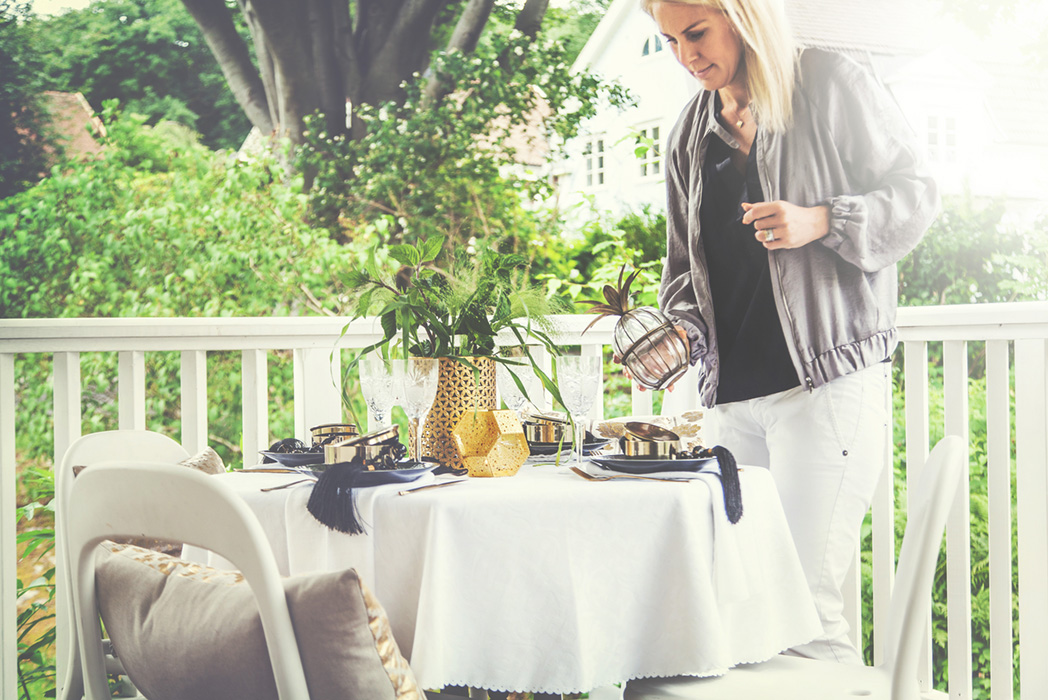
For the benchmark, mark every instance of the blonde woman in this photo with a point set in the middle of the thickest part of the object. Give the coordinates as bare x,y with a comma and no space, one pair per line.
794,187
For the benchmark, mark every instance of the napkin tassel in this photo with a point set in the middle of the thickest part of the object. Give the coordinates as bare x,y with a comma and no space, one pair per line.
729,482
332,501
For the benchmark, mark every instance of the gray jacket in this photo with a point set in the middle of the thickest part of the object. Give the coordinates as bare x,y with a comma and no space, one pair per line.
849,148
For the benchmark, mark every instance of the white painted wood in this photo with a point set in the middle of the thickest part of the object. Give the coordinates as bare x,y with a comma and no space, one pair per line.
999,497
1031,484
915,354
958,527
318,396
1005,322
8,537
883,524
67,403
641,403
255,377
131,403
194,400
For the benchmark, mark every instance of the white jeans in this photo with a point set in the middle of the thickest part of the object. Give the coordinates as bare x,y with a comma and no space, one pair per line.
826,449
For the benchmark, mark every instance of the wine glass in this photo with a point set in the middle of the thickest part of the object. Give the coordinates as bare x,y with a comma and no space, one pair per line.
578,379
378,386
514,398
417,380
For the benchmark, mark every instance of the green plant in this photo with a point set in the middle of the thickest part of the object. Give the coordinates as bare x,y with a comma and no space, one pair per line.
426,311
36,632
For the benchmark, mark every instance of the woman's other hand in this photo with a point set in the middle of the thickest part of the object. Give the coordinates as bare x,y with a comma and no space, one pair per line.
780,224
683,336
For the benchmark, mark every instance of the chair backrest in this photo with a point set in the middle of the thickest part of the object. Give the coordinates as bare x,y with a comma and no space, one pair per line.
911,601
125,499
88,450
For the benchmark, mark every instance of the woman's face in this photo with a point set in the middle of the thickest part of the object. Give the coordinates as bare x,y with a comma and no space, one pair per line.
703,41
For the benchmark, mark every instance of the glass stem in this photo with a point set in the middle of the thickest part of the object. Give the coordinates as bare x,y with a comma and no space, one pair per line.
418,439
580,436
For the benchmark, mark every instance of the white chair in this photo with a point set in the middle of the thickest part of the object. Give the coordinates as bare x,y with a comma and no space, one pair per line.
789,677
87,450
133,499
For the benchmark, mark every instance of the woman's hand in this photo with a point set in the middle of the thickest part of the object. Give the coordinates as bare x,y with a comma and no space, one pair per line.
783,225
683,336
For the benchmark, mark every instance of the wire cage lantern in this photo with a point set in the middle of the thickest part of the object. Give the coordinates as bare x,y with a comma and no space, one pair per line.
644,338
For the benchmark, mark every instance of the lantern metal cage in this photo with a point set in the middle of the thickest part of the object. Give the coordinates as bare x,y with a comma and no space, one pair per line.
650,347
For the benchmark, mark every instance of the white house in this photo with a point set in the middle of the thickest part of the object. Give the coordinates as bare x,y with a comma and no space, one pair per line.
983,122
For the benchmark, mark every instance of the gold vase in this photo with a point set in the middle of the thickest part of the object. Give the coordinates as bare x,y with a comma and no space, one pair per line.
458,391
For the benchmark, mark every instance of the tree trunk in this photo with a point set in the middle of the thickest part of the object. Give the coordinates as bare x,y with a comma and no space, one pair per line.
530,17
233,58
464,39
315,56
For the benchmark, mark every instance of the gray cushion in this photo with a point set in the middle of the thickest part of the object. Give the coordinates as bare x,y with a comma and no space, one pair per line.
188,631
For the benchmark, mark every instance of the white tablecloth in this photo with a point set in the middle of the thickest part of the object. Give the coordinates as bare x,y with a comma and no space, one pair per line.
545,582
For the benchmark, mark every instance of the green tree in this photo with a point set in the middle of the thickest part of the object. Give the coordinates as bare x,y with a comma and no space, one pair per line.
149,55
23,130
968,256
335,56
453,167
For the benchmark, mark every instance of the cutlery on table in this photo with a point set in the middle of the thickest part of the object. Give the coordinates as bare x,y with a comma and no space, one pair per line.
610,477
285,486
430,486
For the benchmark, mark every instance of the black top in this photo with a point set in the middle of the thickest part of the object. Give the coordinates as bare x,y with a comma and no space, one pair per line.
754,359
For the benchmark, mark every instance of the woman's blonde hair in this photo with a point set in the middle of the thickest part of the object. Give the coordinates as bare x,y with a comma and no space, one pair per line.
769,50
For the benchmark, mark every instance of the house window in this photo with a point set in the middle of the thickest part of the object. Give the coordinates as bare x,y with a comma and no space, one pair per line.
652,45
942,138
649,152
594,157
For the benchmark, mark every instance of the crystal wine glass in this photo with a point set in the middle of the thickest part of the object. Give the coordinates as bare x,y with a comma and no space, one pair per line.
378,386
578,379
417,379
514,398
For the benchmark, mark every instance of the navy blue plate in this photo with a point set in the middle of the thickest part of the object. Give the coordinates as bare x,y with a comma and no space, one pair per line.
294,460
386,476
630,465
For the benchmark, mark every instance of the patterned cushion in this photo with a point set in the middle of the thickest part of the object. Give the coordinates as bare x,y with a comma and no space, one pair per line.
183,630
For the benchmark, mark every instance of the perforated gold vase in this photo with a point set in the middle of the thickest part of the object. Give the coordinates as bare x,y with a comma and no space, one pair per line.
458,391
491,443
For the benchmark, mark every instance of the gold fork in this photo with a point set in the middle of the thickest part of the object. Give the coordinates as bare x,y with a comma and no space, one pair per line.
591,477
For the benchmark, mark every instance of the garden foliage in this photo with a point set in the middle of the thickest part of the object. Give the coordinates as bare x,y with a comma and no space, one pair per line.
158,225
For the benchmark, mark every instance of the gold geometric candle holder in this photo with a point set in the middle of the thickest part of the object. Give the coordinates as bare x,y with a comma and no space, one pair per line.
491,443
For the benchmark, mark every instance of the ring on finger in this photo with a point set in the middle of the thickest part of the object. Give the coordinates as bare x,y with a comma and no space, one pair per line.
769,235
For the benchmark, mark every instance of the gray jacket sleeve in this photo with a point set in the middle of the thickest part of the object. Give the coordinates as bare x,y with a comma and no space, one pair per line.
895,198
677,292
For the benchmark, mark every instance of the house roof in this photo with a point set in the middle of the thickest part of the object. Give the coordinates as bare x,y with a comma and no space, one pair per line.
73,120
874,26
857,27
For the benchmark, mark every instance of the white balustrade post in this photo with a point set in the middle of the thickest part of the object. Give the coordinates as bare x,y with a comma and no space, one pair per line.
8,538
999,497
194,400
131,403
255,371
958,526
67,408
915,357
1031,485
318,389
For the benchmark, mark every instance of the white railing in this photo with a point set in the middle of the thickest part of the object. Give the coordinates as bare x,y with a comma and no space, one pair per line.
1021,329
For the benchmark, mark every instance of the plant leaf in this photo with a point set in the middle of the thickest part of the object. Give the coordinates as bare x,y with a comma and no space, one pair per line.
405,254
